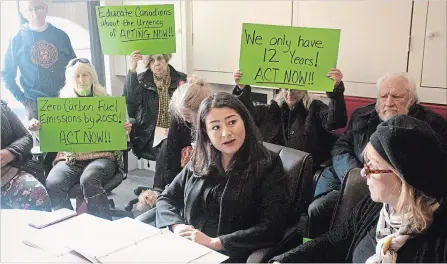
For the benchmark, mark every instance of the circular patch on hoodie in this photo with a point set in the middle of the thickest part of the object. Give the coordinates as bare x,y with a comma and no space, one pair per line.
44,53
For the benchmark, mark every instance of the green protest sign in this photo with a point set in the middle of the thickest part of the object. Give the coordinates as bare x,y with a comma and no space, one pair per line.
148,28
288,57
82,124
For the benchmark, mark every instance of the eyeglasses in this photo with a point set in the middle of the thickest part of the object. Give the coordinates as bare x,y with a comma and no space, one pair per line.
74,61
368,171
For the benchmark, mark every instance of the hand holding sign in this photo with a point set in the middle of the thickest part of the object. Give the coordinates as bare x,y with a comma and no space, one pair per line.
34,125
128,127
336,75
237,76
135,57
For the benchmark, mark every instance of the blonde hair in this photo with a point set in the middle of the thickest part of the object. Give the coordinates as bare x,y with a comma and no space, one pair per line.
148,59
189,96
307,98
419,207
68,91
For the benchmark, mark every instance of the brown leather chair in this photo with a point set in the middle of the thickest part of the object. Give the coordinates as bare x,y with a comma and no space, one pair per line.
353,190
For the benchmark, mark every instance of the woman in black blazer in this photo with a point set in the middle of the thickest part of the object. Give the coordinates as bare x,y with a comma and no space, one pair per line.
231,196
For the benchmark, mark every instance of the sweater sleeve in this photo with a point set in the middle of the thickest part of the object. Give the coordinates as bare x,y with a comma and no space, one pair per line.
71,51
9,73
132,92
170,203
21,147
334,116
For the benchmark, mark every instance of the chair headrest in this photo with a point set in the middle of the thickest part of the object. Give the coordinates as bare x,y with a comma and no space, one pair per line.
293,161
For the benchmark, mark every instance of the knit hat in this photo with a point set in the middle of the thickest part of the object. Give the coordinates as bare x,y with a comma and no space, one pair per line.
417,152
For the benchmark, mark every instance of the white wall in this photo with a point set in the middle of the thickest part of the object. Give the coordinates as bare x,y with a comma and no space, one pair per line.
378,36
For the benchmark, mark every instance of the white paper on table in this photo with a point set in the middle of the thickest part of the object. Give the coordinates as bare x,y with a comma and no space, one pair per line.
55,239
111,237
162,248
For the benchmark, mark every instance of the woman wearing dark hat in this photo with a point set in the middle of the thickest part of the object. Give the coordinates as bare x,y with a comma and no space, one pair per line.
405,218
147,98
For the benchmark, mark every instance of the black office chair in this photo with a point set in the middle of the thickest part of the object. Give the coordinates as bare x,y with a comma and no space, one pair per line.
353,190
298,168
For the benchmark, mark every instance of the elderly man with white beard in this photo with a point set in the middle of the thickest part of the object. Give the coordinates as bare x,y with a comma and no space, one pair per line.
396,96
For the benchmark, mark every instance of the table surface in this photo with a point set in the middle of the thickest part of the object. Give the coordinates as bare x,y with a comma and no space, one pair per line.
15,228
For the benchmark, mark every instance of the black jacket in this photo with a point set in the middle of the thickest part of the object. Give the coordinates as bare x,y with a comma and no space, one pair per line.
308,129
17,139
142,105
169,158
347,151
339,244
252,211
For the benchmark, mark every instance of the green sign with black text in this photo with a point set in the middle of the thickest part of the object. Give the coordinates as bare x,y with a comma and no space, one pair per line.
82,124
148,28
288,57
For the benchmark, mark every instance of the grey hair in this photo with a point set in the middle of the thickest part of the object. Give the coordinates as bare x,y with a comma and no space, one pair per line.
414,98
307,99
189,96
148,59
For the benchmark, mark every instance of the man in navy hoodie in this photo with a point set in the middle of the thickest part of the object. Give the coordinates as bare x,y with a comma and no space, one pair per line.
41,52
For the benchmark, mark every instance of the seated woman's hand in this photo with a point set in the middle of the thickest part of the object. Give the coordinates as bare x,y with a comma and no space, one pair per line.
34,125
202,239
336,75
181,229
128,127
6,157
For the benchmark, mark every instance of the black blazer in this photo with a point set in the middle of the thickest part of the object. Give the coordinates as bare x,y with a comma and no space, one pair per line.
252,211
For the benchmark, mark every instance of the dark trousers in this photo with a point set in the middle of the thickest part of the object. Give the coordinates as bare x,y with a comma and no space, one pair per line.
91,175
320,213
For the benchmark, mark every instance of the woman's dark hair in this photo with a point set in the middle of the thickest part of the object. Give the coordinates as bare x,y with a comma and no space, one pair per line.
251,157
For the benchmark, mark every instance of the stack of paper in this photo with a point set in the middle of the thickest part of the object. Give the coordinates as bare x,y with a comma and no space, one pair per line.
125,240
